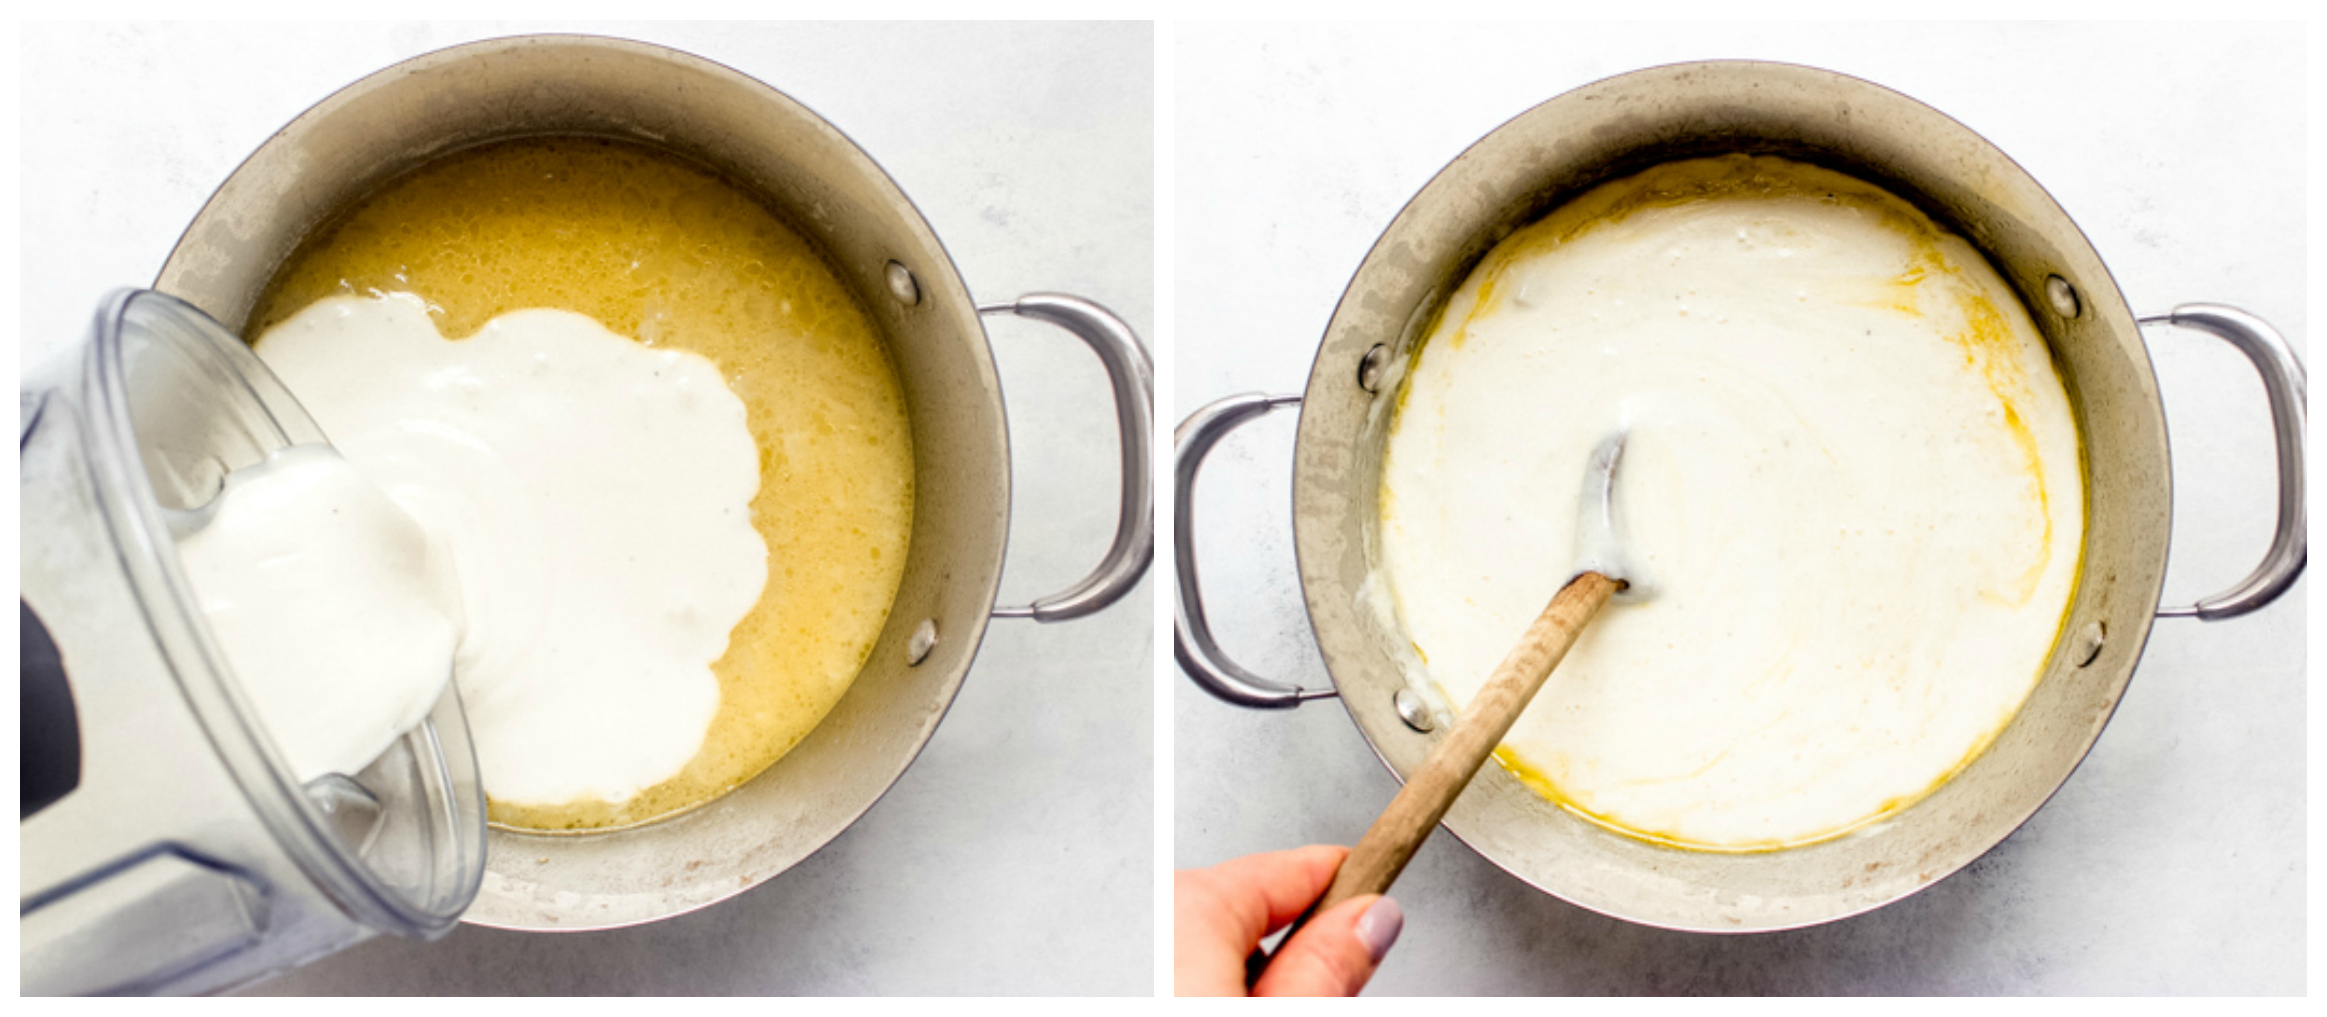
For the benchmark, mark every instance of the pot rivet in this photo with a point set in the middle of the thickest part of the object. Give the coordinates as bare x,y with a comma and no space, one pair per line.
1369,372
1411,708
923,640
2063,297
903,286
2088,643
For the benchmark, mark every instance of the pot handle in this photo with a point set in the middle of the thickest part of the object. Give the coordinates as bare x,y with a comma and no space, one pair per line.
1192,643
1132,377
2282,382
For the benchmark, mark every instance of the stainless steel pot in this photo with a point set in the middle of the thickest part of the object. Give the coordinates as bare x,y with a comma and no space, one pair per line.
1619,126
404,116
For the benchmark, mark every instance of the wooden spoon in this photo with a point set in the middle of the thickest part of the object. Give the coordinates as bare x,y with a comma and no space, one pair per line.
1388,844
1393,838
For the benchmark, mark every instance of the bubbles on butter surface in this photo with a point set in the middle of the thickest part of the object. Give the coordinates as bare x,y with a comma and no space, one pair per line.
659,249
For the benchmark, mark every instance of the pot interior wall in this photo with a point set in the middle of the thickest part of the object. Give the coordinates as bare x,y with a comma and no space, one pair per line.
1619,126
814,178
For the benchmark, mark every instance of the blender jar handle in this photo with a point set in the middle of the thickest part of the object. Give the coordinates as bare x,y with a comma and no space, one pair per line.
2282,383
1192,643
1131,376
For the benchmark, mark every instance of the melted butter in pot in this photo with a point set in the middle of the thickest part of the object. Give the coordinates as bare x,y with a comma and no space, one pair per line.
582,237
1852,485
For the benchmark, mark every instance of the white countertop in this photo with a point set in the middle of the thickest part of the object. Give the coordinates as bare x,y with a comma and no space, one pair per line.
2172,861
1017,854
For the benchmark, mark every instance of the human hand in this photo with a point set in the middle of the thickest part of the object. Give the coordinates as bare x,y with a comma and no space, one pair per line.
1221,914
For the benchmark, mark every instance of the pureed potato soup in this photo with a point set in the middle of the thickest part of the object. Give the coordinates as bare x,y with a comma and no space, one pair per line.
665,445
1851,487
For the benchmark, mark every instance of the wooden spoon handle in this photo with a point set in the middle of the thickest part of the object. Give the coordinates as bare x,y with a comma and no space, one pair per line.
1387,845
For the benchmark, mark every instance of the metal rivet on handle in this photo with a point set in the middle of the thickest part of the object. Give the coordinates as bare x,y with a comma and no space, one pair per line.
2088,643
903,286
923,640
2063,296
1411,708
1369,372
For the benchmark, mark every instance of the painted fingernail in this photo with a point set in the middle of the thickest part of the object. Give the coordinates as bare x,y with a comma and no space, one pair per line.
1379,927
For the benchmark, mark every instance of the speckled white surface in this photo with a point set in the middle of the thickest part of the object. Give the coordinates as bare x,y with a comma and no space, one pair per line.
1016,856
2172,861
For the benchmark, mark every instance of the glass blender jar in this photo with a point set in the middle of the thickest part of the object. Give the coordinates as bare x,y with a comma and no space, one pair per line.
167,846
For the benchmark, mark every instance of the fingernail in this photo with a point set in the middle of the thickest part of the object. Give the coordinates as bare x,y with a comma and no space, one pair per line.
1379,927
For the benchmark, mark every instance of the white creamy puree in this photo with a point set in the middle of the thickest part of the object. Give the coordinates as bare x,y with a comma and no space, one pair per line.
1851,486
337,613
595,497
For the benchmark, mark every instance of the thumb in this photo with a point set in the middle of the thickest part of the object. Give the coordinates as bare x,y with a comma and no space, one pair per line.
1335,954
